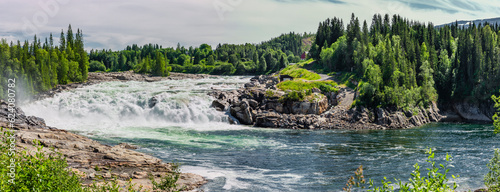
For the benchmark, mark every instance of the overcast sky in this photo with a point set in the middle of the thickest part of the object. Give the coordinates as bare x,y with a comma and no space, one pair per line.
114,24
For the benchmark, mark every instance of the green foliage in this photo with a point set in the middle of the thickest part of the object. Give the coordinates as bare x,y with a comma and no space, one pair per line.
269,93
492,178
435,180
296,72
168,181
40,67
96,66
358,180
293,96
35,171
224,69
456,63
496,116
292,42
159,68
300,85
265,58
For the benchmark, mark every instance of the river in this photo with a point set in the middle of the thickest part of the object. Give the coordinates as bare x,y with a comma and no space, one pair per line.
183,128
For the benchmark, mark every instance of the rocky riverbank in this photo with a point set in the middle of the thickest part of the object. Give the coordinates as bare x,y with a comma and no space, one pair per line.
84,155
259,104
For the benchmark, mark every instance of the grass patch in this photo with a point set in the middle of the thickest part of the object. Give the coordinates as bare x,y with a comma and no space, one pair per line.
297,72
301,85
345,78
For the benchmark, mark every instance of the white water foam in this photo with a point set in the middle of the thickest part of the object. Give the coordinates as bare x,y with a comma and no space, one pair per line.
110,106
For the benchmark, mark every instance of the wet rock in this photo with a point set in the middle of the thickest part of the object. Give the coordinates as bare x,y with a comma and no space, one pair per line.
152,102
243,113
220,105
252,84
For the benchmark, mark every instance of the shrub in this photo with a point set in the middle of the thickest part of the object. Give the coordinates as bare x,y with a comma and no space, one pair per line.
496,117
492,179
96,66
168,182
38,171
435,180
224,69
177,68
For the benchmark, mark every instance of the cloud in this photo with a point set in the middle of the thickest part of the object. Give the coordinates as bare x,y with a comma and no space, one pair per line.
114,24
312,1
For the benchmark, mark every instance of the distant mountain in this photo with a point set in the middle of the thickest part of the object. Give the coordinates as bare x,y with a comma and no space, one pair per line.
466,23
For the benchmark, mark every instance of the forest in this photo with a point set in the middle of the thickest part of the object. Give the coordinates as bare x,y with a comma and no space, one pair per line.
40,67
402,63
227,59
398,62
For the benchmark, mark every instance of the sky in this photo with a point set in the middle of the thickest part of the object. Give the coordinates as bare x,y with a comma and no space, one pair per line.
114,24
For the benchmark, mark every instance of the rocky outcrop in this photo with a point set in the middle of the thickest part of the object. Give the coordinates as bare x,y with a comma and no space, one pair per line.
259,104
472,112
84,155
397,119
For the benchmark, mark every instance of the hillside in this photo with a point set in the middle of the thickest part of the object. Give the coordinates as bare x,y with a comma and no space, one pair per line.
466,23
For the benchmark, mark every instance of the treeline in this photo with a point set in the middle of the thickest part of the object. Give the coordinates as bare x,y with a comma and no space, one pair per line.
226,59
39,67
405,63
291,43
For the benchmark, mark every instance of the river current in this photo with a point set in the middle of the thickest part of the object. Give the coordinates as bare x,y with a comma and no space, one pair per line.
181,127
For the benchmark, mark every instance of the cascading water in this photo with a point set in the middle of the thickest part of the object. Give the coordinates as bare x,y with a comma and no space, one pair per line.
114,105
173,120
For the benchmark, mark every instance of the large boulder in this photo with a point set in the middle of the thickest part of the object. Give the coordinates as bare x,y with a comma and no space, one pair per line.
471,112
315,106
243,112
220,105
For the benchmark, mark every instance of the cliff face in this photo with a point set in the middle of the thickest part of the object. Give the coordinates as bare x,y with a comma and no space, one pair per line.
258,104
84,154
471,112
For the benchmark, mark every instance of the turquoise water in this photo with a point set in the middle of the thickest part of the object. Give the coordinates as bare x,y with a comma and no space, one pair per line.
183,128
294,160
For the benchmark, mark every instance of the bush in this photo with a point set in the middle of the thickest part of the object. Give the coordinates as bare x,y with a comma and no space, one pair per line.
168,182
435,180
496,117
492,179
224,69
177,68
38,171
96,66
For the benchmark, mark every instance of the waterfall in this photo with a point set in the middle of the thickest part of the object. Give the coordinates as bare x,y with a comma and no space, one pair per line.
112,105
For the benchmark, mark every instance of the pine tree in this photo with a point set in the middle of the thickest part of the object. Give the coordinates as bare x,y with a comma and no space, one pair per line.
159,65
262,64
